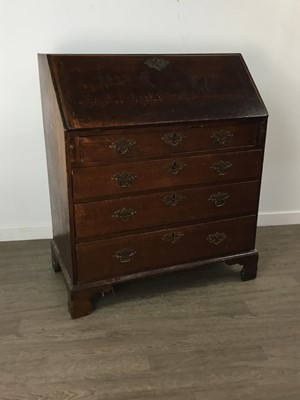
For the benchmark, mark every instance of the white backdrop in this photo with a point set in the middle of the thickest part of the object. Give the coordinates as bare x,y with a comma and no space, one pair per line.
266,32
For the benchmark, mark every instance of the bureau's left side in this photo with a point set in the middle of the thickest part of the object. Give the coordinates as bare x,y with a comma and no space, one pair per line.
56,144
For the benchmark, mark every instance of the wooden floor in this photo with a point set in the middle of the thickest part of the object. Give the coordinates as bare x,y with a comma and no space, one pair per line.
196,335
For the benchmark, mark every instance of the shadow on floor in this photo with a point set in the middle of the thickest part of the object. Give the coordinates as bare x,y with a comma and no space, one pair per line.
150,287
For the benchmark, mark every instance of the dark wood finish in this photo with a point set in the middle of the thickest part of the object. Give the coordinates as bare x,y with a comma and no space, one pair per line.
98,91
100,218
57,166
54,259
115,146
99,260
154,166
96,182
250,265
81,302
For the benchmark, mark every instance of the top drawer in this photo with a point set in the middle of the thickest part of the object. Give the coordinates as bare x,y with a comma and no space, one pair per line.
127,144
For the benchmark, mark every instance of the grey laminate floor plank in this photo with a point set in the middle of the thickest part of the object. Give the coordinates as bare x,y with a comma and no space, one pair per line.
194,335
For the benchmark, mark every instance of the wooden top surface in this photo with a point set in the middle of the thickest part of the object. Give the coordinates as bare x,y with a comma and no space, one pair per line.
97,91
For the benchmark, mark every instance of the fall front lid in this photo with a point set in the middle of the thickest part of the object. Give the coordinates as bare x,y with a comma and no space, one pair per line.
97,91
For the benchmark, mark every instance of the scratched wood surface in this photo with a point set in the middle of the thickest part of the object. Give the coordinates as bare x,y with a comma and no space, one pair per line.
194,335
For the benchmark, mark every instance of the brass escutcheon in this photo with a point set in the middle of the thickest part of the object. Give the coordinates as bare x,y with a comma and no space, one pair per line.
124,214
175,167
157,63
123,145
173,199
124,255
216,238
219,199
172,237
222,136
124,179
221,167
173,138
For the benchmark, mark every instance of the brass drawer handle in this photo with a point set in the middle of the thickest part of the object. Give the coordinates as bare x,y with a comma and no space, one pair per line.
221,167
175,167
124,214
216,238
157,63
219,199
124,179
222,136
124,255
123,145
172,237
173,138
173,199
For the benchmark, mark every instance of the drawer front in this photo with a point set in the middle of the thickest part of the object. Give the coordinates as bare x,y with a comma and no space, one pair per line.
144,211
121,179
111,258
118,146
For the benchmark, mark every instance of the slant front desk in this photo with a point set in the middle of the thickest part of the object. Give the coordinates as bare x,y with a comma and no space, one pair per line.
154,165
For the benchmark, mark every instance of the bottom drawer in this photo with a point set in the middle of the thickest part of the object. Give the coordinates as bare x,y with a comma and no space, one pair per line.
111,258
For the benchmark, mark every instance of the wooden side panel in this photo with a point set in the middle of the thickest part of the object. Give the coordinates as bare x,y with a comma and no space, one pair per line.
57,166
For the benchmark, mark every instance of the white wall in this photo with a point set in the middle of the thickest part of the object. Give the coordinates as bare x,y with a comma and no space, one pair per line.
266,32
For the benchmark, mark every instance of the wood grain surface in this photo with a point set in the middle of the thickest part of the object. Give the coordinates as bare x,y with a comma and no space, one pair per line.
102,181
118,127
194,335
104,217
109,146
126,91
57,167
101,259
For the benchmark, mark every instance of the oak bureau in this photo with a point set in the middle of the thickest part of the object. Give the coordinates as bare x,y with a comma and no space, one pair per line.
154,165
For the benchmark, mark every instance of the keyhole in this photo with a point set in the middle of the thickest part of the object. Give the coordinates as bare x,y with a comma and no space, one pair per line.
174,166
174,138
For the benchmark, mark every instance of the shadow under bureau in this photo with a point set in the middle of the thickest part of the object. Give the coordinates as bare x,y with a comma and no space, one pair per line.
154,165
